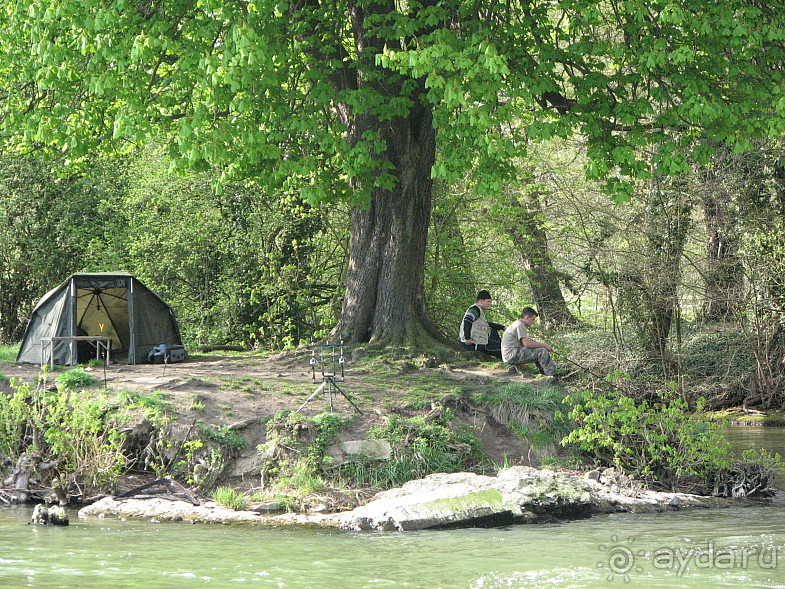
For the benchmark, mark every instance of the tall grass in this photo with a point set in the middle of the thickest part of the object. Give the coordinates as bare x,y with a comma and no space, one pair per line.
523,404
536,415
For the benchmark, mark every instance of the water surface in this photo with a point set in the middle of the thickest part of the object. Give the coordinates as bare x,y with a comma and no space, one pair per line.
736,547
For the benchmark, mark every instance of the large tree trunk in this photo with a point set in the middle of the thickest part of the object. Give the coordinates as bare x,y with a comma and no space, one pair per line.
384,299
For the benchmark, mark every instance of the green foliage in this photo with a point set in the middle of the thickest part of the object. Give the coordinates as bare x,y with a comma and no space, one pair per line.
8,352
301,476
75,379
237,265
156,401
402,467
327,427
294,453
534,414
230,498
67,428
420,447
48,226
712,353
658,441
228,438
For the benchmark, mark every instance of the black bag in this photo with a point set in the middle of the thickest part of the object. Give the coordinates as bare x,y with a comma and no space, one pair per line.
163,353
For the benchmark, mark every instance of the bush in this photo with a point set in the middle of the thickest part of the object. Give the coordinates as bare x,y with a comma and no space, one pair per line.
657,442
66,429
421,446
75,379
718,354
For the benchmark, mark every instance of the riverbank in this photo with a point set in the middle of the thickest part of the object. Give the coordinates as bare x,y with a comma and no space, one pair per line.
261,425
205,422
516,495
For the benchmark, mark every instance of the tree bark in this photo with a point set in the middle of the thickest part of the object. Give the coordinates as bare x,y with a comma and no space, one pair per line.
724,272
531,243
384,298
667,226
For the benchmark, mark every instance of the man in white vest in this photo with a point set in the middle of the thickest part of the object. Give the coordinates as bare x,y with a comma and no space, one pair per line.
476,332
519,348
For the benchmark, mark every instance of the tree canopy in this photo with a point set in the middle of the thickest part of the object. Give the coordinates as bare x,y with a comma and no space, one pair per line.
355,99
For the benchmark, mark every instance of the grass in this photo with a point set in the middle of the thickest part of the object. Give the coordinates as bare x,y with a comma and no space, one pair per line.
522,403
536,415
8,352
197,402
74,379
230,498
246,384
155,400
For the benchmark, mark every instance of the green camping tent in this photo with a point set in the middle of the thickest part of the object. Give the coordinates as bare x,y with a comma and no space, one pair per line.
113,304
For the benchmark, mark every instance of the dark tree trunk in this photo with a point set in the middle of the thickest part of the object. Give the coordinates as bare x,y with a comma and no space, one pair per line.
531,243
384,297
724,272
384,285
667,225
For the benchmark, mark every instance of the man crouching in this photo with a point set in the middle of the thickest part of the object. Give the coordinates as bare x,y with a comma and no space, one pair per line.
519,348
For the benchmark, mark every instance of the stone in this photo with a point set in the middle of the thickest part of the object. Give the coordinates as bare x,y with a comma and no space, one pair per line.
45,516
343,452
268,507
516,495
593,475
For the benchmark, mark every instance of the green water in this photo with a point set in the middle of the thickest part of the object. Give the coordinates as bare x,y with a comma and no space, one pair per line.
739,547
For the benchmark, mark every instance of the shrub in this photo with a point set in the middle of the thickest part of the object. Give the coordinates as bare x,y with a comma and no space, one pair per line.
657,442
69,430
421,446
75,379
228,438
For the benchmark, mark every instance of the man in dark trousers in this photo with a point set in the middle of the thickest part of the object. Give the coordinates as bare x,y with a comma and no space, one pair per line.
476,332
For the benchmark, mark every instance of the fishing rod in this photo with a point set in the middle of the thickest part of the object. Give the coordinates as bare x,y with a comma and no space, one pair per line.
594,374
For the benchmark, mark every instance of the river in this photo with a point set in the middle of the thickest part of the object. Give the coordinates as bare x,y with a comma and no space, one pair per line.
739,547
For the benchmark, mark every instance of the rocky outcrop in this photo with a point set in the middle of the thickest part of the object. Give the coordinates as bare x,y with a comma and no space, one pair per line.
515,495
457,500
158,510
343,452
519,494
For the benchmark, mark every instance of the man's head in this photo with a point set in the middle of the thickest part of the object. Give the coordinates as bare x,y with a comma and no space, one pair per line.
483,299
528,315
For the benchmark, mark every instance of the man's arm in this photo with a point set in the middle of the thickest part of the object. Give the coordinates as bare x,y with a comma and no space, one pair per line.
468,320
530,343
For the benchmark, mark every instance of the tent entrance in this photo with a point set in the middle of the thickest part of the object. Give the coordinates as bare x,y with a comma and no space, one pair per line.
104,311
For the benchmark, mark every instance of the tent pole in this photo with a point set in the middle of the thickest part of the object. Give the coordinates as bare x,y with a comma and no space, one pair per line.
131,326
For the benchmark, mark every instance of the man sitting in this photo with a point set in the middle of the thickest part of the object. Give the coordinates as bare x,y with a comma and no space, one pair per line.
476,332
519,348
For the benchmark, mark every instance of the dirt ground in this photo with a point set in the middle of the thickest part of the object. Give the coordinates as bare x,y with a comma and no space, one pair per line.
241,392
